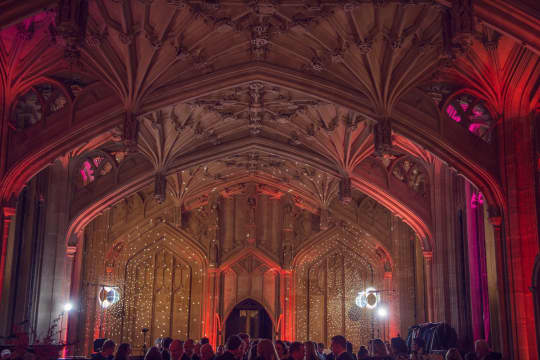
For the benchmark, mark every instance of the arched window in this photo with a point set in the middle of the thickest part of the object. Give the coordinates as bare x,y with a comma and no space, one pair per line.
412,174
471,113
92,168
37,103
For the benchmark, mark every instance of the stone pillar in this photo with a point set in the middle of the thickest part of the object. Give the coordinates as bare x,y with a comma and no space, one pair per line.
54,278
7,248
504,344
389,298
287,305
428,262
229,229
449,266
403,255
420,284
76,316
7,214
519,238
71,251
211,323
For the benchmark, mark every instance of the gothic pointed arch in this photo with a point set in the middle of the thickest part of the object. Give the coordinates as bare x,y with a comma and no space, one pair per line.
404,115
328,278
157,272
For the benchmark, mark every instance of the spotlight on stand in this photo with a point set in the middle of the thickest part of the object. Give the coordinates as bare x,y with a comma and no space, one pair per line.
68,307
368,298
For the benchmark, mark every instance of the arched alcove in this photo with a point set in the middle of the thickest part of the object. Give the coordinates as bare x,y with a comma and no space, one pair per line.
249,317
158,273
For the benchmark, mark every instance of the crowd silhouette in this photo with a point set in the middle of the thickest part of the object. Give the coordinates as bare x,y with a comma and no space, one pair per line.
242,347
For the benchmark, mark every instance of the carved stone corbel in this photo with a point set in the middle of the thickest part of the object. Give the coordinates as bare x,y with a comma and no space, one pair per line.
458,28
71,21
160,187
131,130
382,134
345,190
324,215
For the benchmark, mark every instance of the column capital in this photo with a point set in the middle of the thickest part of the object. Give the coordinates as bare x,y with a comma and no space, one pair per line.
8,211
71,251
388,275
495,215
286,272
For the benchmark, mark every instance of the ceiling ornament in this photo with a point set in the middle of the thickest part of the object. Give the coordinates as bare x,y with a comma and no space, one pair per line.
160,142
381,48
254,162
71,18
267,110
258,104
458,28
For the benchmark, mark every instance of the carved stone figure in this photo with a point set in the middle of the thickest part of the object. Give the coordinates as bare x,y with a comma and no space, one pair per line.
289,216
213,252
214,215
131,129
324,222
212,222
196,223
160,188
287,252
302,227
383,137
252,204
345,190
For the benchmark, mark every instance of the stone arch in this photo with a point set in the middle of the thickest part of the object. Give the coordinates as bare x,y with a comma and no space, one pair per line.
327,282
255,268
271,314
176,287
404,123
158,266
419,224
315,241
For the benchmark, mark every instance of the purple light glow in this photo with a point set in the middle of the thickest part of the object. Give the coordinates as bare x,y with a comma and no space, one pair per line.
452,112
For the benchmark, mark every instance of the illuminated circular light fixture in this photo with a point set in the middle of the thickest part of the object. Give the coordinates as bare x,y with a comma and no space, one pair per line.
68,307
108,296
368,298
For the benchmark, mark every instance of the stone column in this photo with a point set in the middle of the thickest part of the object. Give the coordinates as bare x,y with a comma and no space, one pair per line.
287,305
519,239
54,279
428,262
504,344
76,317
71,251
389,297
7,214
211,303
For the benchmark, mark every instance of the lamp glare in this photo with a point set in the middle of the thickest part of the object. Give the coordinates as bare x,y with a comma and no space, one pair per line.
68,306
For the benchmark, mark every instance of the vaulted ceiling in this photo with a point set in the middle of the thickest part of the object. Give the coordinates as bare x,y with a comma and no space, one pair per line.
325,78
380,48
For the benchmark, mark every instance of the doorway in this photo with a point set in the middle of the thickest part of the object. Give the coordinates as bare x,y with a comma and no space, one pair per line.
251,318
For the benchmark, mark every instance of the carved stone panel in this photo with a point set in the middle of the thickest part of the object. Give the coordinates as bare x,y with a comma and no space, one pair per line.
328,283
158,276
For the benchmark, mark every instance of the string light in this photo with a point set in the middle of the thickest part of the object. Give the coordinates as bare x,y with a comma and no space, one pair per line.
153,272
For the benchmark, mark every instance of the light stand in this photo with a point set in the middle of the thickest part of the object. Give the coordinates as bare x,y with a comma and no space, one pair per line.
144,331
